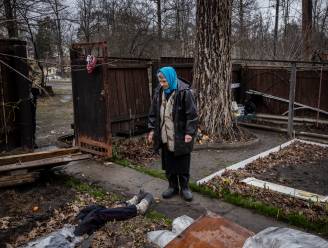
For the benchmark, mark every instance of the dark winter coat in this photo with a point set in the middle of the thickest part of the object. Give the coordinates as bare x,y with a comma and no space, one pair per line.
185,118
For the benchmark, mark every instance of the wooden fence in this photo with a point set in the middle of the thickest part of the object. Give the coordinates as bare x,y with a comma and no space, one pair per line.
16,118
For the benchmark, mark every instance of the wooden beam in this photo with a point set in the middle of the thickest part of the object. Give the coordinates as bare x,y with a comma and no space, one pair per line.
47,162
292,87
6,181
36,155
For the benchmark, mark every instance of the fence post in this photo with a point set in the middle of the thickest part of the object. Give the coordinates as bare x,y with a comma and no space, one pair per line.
154,70
292,87
319,97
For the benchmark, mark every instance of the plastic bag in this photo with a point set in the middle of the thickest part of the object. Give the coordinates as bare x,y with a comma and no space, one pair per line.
163,237
278,237
62,238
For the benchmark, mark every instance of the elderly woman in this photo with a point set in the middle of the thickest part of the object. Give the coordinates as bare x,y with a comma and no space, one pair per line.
173,124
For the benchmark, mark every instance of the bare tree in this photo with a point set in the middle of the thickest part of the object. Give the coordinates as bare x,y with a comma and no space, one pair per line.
87,18
212,68
58,7
30,11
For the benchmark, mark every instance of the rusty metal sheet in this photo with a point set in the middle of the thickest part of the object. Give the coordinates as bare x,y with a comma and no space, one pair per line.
212,231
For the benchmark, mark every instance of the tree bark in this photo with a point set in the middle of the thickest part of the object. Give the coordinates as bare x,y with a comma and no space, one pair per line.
275,40
11,23
159,28
307,28
212,73
241,29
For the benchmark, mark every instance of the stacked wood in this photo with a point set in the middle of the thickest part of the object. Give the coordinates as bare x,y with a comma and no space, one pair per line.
25,168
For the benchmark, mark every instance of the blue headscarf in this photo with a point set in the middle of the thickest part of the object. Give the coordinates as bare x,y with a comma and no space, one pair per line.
171,77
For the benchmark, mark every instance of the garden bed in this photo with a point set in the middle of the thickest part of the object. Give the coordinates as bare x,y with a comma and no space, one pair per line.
299,165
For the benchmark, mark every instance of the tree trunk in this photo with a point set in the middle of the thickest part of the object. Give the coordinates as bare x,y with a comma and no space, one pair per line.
275,39
241,29
60,48
159,28
307,28
11,23
212,73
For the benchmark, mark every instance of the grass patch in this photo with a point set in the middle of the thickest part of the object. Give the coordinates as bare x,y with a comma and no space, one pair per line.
149,171
96,191
296,219
154,215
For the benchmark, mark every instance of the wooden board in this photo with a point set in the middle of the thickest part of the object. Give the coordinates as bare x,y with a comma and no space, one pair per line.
36,155
11,180
47,162
212,231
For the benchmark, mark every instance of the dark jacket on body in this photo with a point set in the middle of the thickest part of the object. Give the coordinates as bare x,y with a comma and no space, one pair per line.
184,117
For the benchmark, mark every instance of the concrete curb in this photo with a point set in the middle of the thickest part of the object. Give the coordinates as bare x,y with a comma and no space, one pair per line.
217,146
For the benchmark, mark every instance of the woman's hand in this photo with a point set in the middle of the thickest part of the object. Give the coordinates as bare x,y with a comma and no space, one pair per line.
188,138
150,137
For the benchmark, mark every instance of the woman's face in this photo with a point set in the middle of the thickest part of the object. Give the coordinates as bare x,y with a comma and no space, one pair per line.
163,81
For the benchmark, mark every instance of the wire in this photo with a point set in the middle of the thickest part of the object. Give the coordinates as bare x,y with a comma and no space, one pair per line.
3,110
81,67
22,75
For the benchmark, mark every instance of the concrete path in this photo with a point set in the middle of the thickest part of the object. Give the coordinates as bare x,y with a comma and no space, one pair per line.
206,162
127,181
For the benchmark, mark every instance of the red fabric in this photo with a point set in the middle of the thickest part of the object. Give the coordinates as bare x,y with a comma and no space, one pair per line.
92,61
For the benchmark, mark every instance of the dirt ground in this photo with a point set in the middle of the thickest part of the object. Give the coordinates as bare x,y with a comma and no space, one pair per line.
54,115
311,176
32,211
17,216
301,166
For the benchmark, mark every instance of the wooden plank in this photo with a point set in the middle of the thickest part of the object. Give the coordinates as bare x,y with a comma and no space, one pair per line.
284,118
6,181
45,162
127,66
36,155
123,108
211,231
301,194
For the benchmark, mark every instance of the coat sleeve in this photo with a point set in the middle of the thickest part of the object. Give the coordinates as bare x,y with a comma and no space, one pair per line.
191,113
152,113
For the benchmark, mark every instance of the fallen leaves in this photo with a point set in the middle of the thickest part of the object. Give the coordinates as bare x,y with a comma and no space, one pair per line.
28,225
137,150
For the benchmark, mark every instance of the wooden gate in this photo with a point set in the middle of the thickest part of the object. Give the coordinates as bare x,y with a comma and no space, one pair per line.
91,106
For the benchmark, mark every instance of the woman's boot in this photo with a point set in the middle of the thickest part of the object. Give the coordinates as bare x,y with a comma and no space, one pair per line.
173,188
185,191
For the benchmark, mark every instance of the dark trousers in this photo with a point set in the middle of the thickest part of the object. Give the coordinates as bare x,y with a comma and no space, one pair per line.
95,216
178,180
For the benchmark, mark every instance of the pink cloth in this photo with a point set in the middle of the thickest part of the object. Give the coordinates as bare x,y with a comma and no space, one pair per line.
91,63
